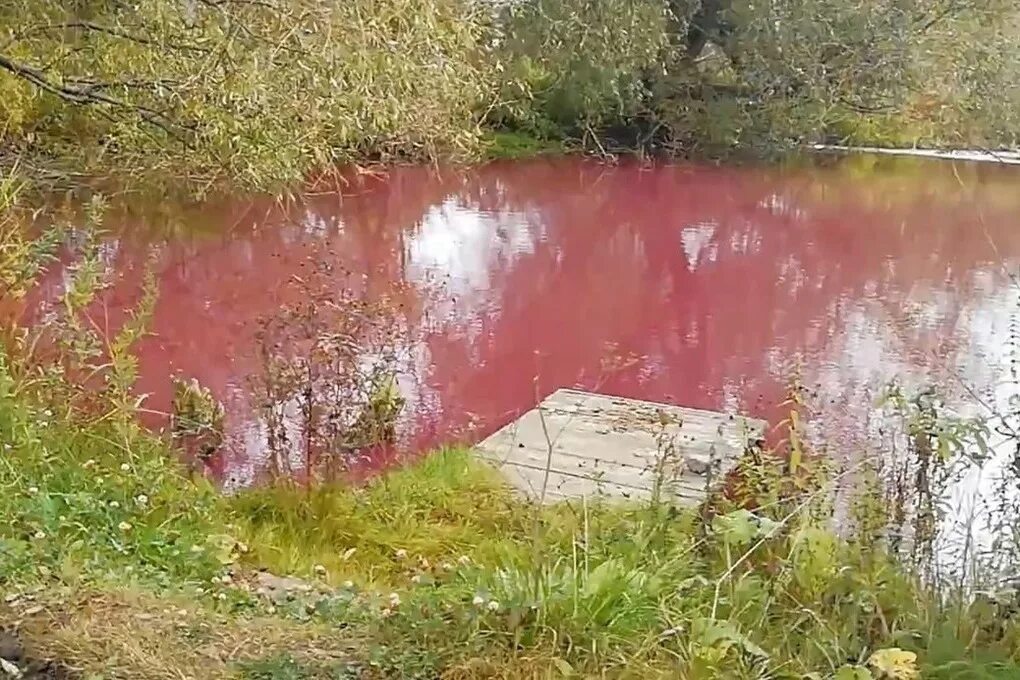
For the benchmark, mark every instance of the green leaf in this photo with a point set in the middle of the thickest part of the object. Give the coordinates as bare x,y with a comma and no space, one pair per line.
565,669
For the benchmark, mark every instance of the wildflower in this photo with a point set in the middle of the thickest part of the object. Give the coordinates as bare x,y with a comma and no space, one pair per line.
197,548
400,554
478,601
222,596
124,526
493,606
416,579
33,490
446,566
124,467
348,585
464,560
394,600
114,504
91,462
40,535
142,499
319,569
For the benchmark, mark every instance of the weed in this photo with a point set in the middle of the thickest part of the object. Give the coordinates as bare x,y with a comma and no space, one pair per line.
327,386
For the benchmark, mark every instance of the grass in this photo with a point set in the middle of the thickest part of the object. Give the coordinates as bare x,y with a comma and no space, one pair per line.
375,534
452,576
124,633
509,145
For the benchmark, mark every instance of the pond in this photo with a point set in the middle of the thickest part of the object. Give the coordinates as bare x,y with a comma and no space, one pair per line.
718,285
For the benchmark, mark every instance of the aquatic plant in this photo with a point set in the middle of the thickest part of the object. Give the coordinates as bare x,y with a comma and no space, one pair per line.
326,386
196,419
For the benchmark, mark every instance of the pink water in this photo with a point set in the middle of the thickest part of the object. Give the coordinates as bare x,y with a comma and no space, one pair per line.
526,277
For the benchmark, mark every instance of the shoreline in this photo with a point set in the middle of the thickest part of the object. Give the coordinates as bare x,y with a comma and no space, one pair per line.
969,155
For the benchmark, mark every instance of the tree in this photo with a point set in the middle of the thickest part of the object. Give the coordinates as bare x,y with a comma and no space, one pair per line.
258,90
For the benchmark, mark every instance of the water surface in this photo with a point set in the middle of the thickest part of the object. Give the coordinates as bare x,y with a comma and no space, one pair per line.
520,278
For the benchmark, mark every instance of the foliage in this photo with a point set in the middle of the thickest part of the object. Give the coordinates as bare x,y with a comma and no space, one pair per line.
86,491
197,418
327,386
568,67
255,93
259,94
867,72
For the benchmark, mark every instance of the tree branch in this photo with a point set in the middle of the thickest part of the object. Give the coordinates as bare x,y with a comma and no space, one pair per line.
88,95
109,30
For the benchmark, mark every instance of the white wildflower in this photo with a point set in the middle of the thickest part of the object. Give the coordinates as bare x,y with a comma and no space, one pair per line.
478,601
493,606
464,560
400,554
348,585
114,504
33,490
124,467
40,535
142,499
394,600
124,526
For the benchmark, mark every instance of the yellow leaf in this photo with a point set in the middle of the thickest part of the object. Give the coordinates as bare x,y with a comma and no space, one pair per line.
894,664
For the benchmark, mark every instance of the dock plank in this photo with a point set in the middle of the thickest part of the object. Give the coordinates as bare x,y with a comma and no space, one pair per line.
611,446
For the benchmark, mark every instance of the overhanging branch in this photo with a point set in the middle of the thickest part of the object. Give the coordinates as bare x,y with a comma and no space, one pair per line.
88,94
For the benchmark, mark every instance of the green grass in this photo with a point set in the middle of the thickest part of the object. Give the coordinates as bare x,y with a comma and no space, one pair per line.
485,581
508,145
88,501
441,509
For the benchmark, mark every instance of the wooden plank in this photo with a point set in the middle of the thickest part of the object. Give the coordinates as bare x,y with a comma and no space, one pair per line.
595,444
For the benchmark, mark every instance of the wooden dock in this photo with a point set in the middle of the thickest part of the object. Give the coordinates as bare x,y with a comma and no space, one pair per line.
577,444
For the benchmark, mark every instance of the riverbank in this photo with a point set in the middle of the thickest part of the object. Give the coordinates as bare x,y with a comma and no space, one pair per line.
965,155
438,570
117,560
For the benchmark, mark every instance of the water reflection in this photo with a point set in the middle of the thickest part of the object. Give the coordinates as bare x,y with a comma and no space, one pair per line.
724,281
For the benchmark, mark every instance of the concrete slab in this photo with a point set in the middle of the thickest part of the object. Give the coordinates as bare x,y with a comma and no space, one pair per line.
576,444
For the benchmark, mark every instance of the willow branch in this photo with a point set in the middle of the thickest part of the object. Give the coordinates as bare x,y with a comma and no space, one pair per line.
87,95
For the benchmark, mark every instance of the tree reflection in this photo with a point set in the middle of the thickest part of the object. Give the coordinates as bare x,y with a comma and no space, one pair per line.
522,274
